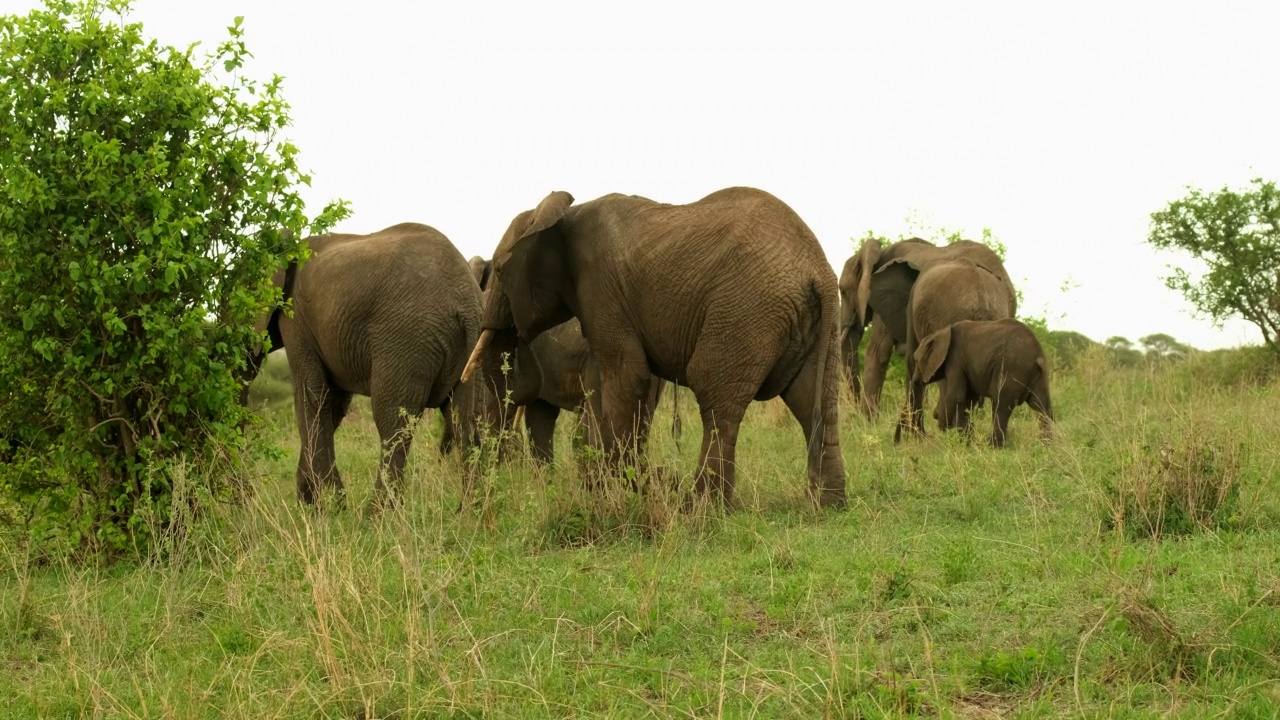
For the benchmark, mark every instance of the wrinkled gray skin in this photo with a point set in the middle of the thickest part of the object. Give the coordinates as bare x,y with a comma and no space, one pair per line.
558,376
730,296
939,296
392,315
866,298
997,359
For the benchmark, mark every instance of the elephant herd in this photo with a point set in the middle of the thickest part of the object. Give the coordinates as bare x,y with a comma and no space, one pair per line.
597,306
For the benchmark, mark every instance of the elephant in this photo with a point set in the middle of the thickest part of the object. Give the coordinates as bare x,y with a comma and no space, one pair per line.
864,297
392,315
268,324
730,295
976,359
937,297
557,372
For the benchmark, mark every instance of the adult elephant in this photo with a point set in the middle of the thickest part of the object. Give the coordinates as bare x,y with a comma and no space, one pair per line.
392,315
730,296
553,373
939,296
870,298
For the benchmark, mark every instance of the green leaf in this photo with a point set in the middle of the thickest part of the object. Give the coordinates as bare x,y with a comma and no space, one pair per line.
1234,239
132,174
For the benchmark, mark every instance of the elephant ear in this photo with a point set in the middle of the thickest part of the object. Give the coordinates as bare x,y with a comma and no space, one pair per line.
931,355
890,294
531,222
868,256
518,270
480,270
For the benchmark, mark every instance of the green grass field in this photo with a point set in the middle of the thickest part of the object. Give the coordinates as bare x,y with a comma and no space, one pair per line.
1129,568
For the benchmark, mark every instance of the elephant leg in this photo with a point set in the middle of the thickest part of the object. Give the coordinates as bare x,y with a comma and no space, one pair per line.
391,413
656,389
341,404
677,420
726,373
966,421
912,419
622,421
916,392
1000,413
500,417
540,419
615,421
716,462
448,436
879,351
645,409
318,407
590,420
624,389
508,422
849,343
821,431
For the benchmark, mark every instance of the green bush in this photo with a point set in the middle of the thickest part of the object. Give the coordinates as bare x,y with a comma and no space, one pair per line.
1176,488
143,208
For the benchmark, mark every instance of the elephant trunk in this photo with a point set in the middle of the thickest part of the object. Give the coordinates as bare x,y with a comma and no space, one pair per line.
485,336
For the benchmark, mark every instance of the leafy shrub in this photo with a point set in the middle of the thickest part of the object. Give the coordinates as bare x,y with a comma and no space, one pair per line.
1176,489
143,209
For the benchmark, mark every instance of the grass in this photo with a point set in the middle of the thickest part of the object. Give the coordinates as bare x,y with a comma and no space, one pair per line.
1126,569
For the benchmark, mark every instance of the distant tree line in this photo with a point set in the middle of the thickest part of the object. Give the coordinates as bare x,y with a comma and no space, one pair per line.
1067,348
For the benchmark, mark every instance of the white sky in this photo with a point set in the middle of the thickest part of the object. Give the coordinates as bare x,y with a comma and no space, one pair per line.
1060,126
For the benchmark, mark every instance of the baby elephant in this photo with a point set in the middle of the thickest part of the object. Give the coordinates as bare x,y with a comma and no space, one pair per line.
976,359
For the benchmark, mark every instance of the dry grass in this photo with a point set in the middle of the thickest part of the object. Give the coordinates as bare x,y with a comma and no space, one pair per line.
962,581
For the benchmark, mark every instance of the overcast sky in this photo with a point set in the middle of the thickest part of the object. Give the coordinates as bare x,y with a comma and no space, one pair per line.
1061,127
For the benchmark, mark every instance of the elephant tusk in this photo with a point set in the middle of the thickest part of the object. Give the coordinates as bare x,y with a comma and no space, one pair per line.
485,336
844,333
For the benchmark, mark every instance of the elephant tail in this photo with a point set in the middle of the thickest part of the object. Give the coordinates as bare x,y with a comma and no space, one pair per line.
828,329
675,412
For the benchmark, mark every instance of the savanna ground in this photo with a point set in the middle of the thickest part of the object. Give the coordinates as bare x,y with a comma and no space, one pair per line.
1126,569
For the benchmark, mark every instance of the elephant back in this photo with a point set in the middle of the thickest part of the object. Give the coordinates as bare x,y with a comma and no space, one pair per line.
402,290
924,255
901,266
959,290
920,254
